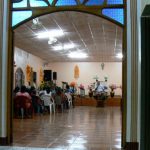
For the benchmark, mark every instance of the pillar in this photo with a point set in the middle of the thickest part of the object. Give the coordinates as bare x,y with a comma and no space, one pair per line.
5,70
133,74
145,78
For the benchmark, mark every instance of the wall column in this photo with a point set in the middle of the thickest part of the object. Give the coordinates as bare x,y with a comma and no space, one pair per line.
133,81
4,71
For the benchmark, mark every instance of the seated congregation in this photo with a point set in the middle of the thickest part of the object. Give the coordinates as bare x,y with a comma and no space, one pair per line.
29,101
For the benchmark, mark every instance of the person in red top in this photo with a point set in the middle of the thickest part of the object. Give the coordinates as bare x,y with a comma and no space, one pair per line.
23,92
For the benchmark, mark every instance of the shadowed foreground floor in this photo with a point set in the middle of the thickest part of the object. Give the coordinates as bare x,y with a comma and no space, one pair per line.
80,128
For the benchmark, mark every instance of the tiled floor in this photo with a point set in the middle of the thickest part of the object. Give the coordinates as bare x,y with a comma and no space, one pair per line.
80,128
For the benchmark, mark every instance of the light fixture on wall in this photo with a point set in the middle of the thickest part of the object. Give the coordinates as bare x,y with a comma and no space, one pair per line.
45,64
102,66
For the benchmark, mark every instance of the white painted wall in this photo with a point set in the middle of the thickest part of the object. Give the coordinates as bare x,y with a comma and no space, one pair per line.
65,72
22,59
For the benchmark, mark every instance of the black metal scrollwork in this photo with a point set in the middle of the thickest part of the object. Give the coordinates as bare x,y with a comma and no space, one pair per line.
16,1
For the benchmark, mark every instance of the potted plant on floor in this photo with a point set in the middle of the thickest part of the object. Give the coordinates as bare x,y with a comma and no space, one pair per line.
112,87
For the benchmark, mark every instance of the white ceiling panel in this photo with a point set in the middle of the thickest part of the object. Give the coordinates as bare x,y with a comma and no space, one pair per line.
99,38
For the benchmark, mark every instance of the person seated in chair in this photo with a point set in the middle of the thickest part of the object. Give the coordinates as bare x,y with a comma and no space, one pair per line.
59,99
36,102
100,87
23,92
101,94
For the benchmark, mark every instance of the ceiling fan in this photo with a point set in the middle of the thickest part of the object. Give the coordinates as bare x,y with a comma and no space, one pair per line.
36,24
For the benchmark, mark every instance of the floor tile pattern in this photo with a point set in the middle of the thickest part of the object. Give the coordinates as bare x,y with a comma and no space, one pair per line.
79,128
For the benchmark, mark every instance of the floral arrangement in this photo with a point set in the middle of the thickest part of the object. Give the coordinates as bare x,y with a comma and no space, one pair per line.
41,74
47,84
28,72
112,86
81,87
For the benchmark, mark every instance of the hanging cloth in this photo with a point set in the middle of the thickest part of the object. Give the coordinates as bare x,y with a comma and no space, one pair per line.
76,72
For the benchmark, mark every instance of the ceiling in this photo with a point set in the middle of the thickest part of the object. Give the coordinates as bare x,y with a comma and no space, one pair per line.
99,38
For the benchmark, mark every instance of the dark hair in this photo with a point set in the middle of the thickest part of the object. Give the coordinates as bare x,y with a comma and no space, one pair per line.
58,91
17,89
23,88
32,88
48,90
67,86
33,92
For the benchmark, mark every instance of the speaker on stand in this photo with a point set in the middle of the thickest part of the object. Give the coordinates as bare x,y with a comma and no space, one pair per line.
47,75
55,76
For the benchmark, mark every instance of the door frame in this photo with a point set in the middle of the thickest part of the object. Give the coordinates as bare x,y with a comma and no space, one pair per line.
39,11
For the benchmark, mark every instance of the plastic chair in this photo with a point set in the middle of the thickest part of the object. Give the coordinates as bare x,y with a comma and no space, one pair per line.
69,98
48,101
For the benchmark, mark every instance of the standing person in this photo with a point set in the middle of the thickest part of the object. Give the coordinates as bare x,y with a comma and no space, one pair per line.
96,84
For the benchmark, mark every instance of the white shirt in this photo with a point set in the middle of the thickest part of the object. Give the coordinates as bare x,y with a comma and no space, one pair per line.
100,88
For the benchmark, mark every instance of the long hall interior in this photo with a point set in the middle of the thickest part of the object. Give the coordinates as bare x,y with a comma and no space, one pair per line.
67,83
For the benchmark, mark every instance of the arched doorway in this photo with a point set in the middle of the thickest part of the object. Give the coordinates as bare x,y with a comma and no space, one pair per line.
101,7
19,78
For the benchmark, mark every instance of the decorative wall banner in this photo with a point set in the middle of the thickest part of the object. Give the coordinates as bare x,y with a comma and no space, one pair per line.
41,74
76,72
28,73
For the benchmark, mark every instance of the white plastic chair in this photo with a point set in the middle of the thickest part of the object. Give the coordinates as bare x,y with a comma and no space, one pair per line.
48,101
69,98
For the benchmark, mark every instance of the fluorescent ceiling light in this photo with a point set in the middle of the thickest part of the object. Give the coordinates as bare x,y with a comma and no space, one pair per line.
52,33
52,40
77,55
68,46
63,47
58,47
119,55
